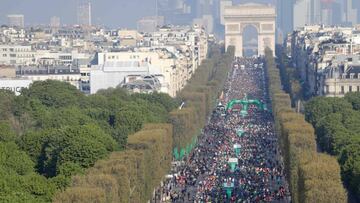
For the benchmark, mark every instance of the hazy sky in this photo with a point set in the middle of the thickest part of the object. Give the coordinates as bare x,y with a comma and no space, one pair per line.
114,13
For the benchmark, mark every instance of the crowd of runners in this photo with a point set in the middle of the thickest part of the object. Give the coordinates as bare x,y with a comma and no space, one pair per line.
237,157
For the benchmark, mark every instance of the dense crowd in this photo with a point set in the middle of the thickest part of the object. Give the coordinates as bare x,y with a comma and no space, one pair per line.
257,175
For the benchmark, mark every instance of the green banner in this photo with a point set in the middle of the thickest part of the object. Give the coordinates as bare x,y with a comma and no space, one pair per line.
176,154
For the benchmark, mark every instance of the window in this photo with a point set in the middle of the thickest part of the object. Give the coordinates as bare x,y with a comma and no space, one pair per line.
342,89
358,88
327,89
350,88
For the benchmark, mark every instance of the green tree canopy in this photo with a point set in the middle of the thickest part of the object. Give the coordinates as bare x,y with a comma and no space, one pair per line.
54,93
354,99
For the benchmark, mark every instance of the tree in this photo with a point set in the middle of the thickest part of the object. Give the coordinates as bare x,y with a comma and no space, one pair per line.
18,181
76,144
34,143
130,118
158,99
319,107
351,121
11,158
7,134
69,169
67,116
120,135
6,103
354,99
54,93
83,151
350,165
337,128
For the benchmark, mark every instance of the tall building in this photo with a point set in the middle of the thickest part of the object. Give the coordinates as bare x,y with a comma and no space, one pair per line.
84,14
285,17
356,5
204,7
336,12
315,12
206,21
15,20
205,14
176,11
300,14
349,12
307,12
327,16
150,23
55,22
223,4
176,4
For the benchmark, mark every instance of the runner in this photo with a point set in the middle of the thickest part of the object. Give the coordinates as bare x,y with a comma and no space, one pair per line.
256,172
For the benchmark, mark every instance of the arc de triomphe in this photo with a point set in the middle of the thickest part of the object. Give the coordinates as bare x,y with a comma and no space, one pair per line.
261,16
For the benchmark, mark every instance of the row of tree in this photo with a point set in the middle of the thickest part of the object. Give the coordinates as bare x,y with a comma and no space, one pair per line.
132,174
312,176
336,121
53,131
290,77
127,176
336,124
200,96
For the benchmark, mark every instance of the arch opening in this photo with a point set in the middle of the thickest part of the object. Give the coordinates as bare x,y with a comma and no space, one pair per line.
250,41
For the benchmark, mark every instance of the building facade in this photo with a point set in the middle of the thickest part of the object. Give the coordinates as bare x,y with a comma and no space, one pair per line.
14,84
16,20
327,59
84,56
84,14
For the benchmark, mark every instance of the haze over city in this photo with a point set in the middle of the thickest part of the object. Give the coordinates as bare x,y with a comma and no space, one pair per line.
112,13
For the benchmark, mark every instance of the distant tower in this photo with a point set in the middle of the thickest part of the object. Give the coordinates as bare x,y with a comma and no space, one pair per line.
315,12
204,7
285,18
307,12
223,4
55,22
356,5
349,12
327,12
16,20
84,14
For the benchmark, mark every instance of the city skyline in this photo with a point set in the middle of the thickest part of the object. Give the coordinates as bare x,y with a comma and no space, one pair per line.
107,12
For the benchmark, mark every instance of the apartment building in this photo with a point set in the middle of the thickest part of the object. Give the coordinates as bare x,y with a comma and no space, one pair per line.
97,58
327,59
